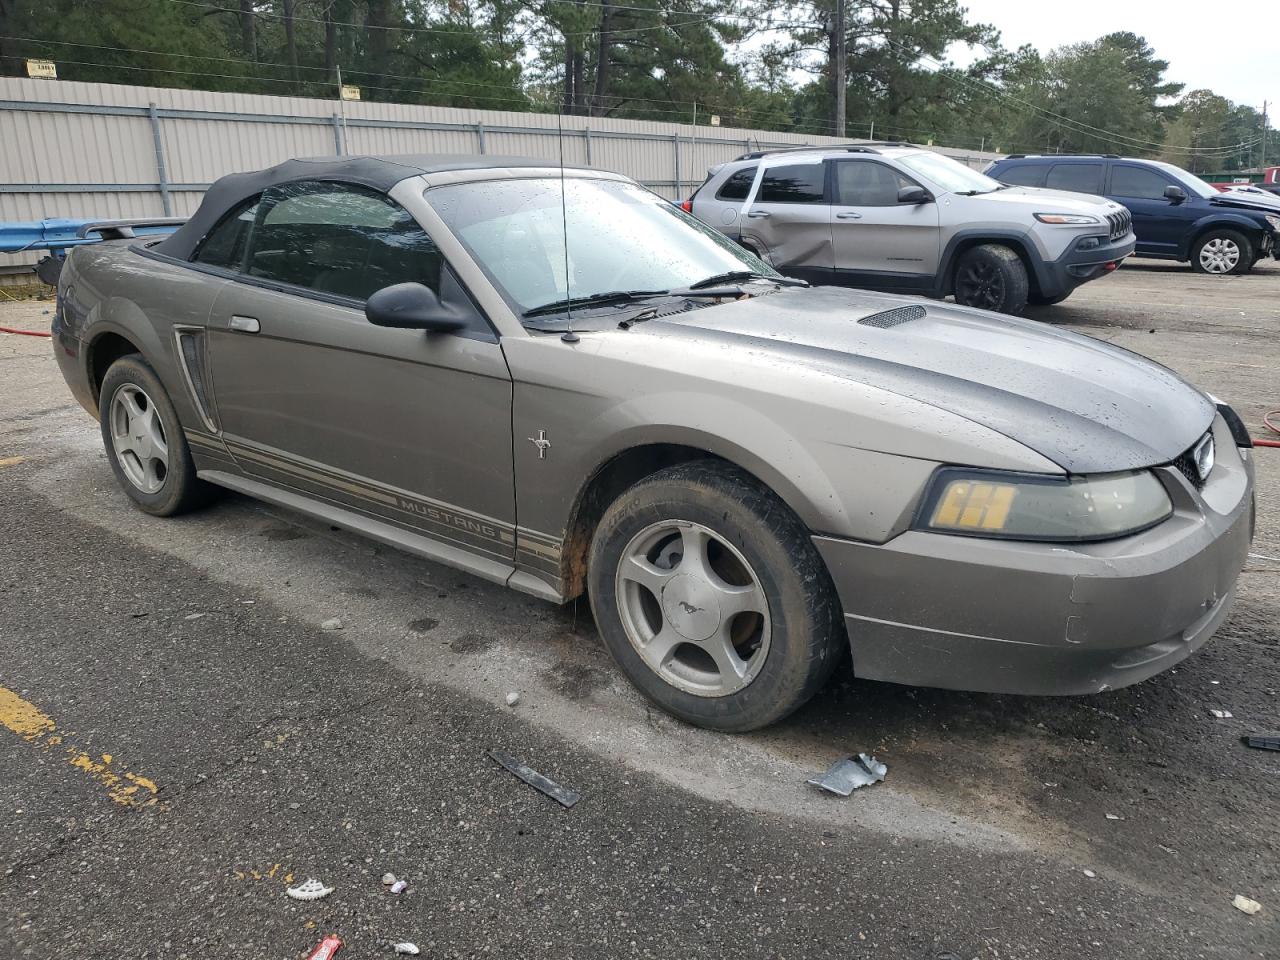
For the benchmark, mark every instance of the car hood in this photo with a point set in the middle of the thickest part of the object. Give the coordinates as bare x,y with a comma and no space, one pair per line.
1061,200
1085,405
1249,201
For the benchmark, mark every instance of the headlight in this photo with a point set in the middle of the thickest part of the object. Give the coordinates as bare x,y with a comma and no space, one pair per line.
1274,221
1066,218
1014,506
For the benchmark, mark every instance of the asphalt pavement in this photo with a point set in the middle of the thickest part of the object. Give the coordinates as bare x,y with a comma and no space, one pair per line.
185,741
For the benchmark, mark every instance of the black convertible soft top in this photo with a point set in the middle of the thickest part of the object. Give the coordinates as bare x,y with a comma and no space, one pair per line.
379,173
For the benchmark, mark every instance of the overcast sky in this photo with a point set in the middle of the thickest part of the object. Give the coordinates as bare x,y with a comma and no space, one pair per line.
1238,56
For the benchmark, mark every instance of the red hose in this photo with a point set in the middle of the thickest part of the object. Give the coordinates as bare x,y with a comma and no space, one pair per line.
1267,422
24,333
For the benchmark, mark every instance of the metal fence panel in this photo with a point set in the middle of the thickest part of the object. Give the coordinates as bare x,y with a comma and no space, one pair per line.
72,149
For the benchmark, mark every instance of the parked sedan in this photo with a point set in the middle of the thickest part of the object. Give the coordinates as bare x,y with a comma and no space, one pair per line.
558,381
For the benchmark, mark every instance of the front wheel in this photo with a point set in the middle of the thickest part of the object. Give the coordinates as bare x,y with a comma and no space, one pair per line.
1222,252
712,599
145,443
992,277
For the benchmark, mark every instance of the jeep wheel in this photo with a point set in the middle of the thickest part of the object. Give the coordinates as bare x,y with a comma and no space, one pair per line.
712,599
992,277
145,443
1222,252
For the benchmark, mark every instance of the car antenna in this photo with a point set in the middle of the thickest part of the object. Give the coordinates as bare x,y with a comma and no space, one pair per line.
568,336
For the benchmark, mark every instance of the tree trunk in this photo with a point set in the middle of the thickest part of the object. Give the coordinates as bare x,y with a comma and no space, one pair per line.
566,105
8,60
604,51
248,39
379,41
291,36
840,78
579,81
330,44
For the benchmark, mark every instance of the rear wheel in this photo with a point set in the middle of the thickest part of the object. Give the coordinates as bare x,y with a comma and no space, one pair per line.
712,599
992,277
145,442
1222,252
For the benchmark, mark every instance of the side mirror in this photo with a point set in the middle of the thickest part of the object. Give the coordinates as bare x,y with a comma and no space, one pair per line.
411,306
1174,194
914,194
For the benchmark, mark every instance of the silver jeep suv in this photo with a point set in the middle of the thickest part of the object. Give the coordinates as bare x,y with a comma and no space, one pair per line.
907,219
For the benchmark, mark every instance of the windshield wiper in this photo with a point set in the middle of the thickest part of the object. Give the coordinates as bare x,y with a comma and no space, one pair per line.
738,276
593,300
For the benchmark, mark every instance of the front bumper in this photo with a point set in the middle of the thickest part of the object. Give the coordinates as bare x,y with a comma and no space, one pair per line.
1077,266
996,616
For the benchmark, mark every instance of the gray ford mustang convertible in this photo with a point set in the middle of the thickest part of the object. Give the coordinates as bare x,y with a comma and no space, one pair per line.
746,476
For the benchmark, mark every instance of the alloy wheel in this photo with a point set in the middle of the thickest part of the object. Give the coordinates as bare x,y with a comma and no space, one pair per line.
138,438
980,284
693,608
1219,255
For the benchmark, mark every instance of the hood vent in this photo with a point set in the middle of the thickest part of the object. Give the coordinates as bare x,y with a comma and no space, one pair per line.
895,317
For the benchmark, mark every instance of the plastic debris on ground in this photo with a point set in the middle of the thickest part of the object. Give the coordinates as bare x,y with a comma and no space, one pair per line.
400,886
333,623
326,948
1221,714
408,949
309,889
849,773
388,879
562,795
1112,816
1262,741
513,698
1090,874
1245,905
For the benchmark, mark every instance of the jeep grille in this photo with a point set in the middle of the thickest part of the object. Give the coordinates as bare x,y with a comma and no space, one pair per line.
1120,224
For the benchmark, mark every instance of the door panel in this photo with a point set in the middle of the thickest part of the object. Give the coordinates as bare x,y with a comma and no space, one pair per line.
789,219
403,425
1158,223
872,233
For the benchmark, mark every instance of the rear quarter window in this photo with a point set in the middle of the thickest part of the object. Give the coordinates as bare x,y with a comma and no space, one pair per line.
738,186
1023,175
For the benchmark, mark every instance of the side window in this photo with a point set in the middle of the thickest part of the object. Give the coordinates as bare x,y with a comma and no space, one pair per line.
1137,182
341,239
224,244
793,183
738,186
1077,177
1024,175
866,183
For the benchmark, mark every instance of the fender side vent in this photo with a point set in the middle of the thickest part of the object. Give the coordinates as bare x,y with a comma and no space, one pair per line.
895,317
191,344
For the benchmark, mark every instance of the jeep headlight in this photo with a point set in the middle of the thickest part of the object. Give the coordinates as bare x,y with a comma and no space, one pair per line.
1070,218
1015,506
1274,221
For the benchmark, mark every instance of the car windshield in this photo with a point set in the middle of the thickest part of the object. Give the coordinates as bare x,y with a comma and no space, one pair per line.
950,175
1189,180
621,238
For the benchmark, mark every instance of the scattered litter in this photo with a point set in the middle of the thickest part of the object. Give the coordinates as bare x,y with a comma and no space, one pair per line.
1245,905
513,698
333,623
562,795
326,948
1090,874
1262,741
849,773
408,949
309,890
400,886
193,616
1221,714
388,879
1112,816
1216,682
1166,849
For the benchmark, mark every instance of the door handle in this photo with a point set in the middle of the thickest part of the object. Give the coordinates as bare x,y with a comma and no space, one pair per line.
848,216
245,324
758,214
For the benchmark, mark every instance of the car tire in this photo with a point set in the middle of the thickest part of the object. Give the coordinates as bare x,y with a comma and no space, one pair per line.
145,443
992,277
712,540
1222,253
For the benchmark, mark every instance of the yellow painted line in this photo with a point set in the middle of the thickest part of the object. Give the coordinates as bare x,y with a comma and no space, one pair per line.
37,728
11,461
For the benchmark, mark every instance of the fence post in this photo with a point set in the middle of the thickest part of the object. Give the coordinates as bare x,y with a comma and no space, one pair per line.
338,147
586,132
161,171
675,142
480,136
